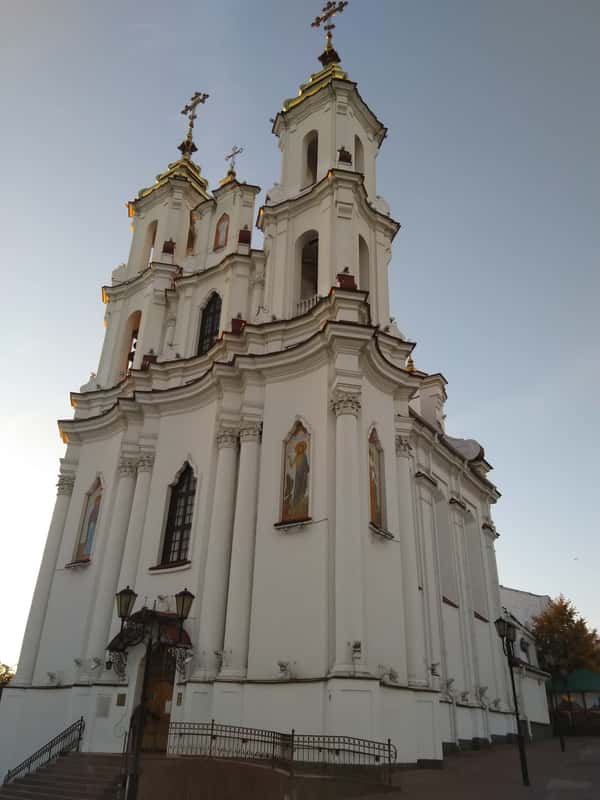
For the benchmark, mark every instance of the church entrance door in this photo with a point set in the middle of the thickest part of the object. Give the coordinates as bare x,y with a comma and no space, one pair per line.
159,693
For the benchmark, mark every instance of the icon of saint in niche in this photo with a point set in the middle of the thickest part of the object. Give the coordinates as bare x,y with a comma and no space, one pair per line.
86,540
375,488
296,473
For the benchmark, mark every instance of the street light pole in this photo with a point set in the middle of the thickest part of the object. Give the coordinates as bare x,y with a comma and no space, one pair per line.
508,632
147,632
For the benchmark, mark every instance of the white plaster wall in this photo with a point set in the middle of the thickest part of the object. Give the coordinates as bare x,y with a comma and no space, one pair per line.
292,572
71,600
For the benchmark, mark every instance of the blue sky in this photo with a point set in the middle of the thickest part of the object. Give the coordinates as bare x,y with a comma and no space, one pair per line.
491,165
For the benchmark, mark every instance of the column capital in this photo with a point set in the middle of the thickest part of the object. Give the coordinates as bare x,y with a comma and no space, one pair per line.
250,431
65,484
127,466
344,402
145,462
403,446
226,437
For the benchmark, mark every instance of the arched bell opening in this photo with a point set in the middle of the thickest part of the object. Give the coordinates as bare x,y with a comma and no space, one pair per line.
363,264
149,244
311,158
308,268
359,155
131,334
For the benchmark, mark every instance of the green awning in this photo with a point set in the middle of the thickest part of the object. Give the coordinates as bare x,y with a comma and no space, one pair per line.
580,680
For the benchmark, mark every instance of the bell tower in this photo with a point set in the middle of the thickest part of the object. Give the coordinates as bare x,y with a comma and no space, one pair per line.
324,216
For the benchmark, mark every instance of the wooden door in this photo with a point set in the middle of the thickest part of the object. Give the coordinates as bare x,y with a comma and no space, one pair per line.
159,694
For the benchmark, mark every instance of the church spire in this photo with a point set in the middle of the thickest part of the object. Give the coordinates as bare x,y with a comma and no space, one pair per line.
329,10
231,157
187,147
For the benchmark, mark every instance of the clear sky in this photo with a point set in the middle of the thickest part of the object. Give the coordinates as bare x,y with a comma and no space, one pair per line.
491,165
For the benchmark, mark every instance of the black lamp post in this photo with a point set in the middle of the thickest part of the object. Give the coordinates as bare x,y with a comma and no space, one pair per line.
508,633
146,631
553,663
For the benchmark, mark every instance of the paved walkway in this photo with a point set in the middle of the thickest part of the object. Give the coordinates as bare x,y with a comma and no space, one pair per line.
495,774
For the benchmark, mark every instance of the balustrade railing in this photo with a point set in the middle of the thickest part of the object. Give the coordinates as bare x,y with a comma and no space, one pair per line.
65,742
296,751
304,305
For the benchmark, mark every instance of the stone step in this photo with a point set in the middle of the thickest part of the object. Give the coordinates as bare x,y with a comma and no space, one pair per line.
77,776
49,790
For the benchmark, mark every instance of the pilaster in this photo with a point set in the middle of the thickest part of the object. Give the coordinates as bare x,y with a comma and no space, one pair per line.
39,604
412,603
239,597
135,528
350,655
112,557
214,594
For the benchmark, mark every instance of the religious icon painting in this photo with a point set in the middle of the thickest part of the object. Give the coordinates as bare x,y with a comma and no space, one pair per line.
296,470
221,232
375,480
90,521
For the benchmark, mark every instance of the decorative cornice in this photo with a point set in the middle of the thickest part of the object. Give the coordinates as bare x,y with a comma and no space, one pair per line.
426,476
403,446
345,403
146,462
65,484
250,431
456,500
226,437
128,466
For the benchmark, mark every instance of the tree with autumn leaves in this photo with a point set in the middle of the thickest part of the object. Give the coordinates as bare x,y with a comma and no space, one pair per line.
6,673
565,641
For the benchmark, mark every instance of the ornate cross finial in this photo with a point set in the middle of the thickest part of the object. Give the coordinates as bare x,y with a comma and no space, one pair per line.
188,147
232,155
329,10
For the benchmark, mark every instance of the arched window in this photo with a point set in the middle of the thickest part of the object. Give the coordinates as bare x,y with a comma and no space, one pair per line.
376,494
221,232
296,469
359,155
149,242
309,266
191,237
91,512
132,330
179,518
363,265
311,158
209,324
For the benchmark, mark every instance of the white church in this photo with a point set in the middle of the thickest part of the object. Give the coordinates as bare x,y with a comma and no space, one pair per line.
257,433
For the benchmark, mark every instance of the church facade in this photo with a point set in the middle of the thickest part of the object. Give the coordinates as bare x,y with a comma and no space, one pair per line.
257,433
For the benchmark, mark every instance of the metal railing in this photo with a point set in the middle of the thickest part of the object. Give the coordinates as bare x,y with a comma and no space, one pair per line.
65,742
348,754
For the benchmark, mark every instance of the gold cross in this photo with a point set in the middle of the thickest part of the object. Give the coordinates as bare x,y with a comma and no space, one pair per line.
329,10
190,112
231,156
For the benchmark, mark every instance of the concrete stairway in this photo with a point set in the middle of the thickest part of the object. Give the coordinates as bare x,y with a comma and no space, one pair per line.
77,776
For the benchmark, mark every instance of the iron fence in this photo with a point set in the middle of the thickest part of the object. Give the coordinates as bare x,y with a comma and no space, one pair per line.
295,751
65,742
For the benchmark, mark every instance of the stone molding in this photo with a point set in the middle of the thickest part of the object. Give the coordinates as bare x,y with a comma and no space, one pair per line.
403,446
145,462
226,437
128,466
65,484
250,431
345,403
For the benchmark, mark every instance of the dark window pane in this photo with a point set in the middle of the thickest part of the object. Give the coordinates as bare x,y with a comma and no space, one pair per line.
179,518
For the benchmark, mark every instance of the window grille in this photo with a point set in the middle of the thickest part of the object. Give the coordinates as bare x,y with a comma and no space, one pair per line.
209,324
179,519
